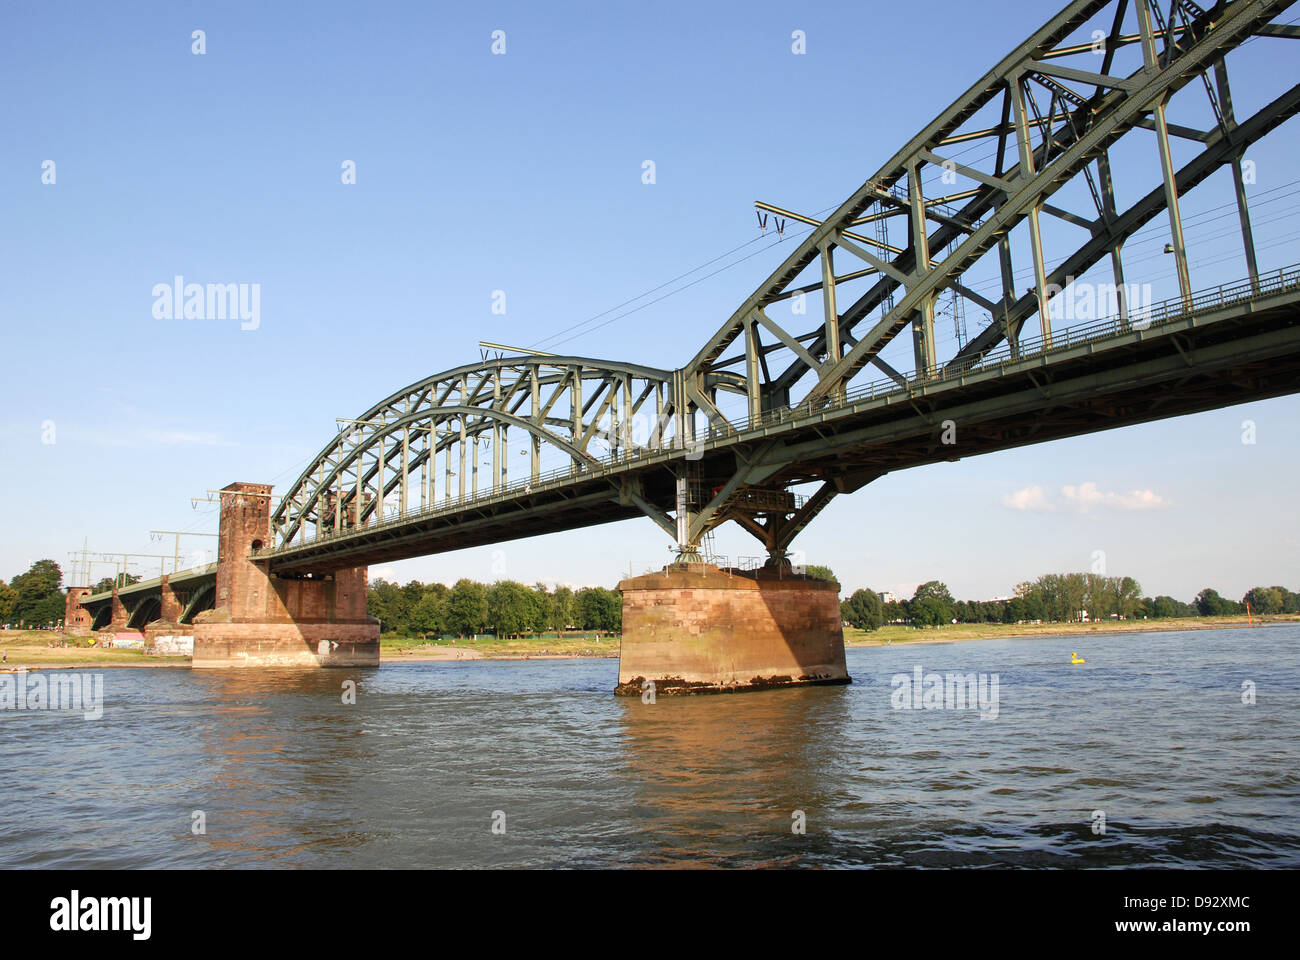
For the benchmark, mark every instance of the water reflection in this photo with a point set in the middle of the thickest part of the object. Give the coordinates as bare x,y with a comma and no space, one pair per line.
720,777
280,751
1152,730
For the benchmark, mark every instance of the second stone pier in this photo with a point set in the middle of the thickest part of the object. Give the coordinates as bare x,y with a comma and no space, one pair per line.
262,620
697,628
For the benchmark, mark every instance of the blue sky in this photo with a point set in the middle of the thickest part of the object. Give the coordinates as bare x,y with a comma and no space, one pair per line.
522,173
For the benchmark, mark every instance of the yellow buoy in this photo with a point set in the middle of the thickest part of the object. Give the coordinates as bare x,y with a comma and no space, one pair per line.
1075,658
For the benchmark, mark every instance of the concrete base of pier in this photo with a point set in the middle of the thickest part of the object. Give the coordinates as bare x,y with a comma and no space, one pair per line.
166,628
696,628
76,618
261,620
225,645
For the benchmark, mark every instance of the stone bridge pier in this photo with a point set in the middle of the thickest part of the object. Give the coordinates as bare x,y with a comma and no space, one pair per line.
698,628
76,618
262,620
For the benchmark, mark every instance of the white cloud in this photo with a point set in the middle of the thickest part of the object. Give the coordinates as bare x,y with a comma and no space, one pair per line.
1082,499
148,437
1030,498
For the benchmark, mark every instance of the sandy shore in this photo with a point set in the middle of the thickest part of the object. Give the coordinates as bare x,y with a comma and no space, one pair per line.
85,664
31,649
23,652
444,655
894,636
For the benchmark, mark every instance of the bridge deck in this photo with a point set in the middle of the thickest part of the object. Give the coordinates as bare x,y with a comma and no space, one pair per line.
1235,344
181,580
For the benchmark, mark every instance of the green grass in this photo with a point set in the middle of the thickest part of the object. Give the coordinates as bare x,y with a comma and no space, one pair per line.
31,648
573,644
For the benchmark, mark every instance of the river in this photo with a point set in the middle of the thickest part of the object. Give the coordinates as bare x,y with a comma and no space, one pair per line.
536,764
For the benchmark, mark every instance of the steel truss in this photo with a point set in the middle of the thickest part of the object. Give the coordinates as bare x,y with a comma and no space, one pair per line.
384,462
1049,115
1061,104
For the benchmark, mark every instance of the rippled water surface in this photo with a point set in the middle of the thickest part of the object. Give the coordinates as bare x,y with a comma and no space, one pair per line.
1152,731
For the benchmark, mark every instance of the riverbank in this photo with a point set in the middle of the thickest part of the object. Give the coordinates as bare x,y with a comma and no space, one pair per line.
955,633
30,648
409,650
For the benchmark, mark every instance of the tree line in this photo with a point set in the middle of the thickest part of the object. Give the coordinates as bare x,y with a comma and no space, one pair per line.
505,608
508,608
1057,597
34,598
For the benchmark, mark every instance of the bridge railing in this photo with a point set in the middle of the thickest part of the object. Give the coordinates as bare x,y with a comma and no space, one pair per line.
1167,311
393,516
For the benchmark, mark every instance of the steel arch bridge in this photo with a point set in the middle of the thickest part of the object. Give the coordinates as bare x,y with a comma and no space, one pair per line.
381,462
1053,111
1051,141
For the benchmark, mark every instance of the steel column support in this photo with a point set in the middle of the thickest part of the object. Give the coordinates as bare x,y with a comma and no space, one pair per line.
378,512
753,387
1008,294
447,472
832,317
923,321
427,470
1238,182
688,551
464,451
791,527
575,403
496,433
1166,155
1028,170
657,432
625,423
1109,216
535,447
630,492
357,490
406,465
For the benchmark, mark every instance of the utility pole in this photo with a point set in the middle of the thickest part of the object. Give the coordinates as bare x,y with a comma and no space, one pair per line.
124,560
80,564
157,535
84,561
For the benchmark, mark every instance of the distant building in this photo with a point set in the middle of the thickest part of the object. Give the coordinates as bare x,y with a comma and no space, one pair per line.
888,597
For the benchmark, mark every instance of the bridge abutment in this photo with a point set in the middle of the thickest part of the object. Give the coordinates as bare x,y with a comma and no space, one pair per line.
695,628
168,623
169,605
261,620
76,618
119,615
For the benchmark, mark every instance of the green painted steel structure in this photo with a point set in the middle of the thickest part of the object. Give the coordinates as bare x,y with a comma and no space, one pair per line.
765,406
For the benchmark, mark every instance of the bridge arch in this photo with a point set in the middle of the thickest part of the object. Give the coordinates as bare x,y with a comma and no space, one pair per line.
571,412
201,599
1043,155
146,610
